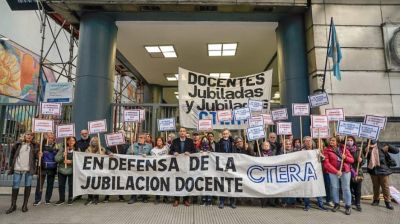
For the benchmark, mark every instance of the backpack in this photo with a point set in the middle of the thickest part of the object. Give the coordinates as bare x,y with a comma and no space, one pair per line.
48,160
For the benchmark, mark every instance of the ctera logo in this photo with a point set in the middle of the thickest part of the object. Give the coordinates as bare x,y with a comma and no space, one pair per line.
282,174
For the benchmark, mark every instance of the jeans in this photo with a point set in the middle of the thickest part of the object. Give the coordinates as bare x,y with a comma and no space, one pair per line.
49,187
328,190
62,181
345,183
17,176
307,202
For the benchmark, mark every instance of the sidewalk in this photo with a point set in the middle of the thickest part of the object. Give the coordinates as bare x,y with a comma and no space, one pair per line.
120,212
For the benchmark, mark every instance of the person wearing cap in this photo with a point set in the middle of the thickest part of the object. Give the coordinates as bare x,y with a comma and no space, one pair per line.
379,164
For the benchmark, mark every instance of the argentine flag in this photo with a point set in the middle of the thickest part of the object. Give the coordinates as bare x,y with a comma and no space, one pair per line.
335,52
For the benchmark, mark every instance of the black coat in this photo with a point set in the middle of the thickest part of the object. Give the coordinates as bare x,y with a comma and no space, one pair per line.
383,169
33,156
219,147
83,144
176,144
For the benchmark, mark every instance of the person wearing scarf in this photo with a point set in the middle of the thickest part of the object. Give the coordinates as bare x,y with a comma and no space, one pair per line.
333,158
356,178
379,163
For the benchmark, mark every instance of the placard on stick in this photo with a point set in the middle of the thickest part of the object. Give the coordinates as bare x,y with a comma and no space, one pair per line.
320,132
379,121
167,124
50,109
318,99
98,126
224,115
132,115
279,114
369,131
114,139
242,114
255,105
256,121
65,130
319,121
284,128
255,133
348,128
142,114
42,125
267,119
335,114
204,125
300,109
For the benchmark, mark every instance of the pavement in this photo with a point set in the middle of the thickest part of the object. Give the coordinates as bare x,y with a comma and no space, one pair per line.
120,212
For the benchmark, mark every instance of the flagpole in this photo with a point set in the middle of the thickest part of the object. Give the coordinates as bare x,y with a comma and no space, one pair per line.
327,51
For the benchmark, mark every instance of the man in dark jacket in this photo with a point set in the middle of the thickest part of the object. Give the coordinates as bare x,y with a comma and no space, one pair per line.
276,147
83,143
22,163
379,163
182,145
225,145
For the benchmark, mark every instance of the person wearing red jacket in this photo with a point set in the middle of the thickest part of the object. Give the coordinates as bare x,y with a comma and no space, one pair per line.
333,158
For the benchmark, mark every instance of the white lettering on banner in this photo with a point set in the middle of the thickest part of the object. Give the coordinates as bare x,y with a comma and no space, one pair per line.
267,119
42,126
318,99
205,125
320,132
279,114
319,121
256,121
50,109
132,116
379,121
98,126
348,128
242,114
297,174
334,114
167,124
369,131
224,115
115,139
255,133
301,109
284,128
65,130
201,96
256,105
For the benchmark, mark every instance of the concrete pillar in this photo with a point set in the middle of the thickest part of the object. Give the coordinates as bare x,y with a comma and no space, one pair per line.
292,68
95,70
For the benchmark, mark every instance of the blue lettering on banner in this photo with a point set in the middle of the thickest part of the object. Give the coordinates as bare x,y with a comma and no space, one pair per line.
213,116
282,174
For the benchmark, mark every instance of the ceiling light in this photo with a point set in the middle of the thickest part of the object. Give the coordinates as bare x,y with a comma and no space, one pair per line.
230,46
168,48
4,38
277,95
153,49
171,78
176,93
228,53
228,49
177,97
177,76
169,54
215,75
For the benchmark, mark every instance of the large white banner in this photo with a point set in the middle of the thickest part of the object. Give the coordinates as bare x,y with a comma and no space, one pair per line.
201,96
296,174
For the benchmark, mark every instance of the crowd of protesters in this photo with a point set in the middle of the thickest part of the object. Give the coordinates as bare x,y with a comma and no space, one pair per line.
341,160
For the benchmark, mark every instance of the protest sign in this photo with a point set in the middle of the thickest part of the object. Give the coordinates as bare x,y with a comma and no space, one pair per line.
98,126
114,139
242,114
65,130
256,121
284,128
318,99
50,109
167,124
279,114
348,128
205,125
335,114
369,131
300,109
42,125
132,115
379,121
319,121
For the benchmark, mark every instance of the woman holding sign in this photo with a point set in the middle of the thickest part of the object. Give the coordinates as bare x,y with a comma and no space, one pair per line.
22,164
65,172
94,147
356,171
49,169
160,150
334,158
